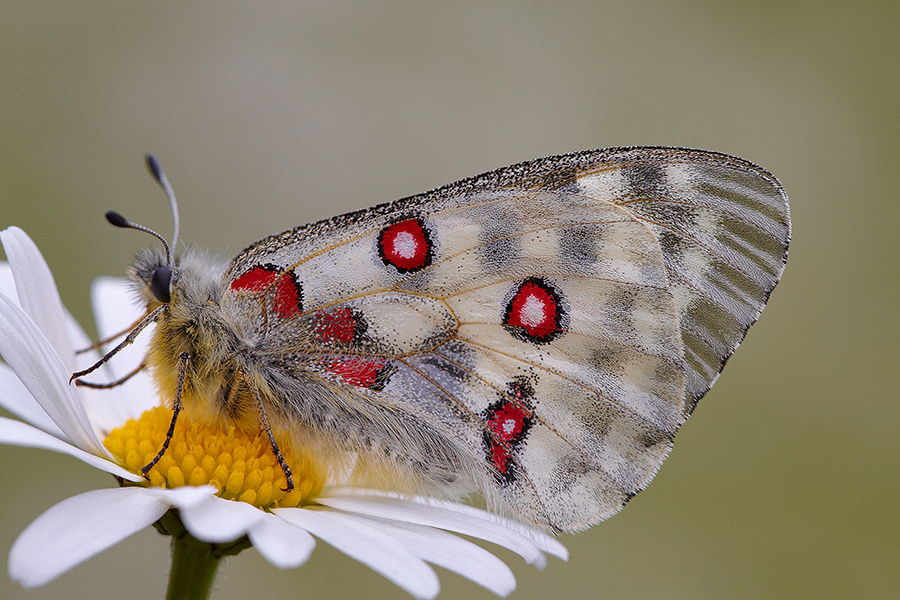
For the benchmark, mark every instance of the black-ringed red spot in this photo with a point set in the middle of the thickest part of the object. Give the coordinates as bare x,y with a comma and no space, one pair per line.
406,245
287,293
534,313
508,422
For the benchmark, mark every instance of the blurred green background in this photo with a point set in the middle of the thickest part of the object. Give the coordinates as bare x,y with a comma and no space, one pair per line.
784,484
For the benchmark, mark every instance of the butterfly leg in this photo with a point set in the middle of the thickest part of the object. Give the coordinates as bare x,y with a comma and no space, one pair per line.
101,343
183,361
111,384
127,341
264,424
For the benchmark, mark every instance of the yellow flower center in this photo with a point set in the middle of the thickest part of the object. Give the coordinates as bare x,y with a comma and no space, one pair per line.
241,465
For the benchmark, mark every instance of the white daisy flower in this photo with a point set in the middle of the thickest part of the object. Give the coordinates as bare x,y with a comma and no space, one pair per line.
224,484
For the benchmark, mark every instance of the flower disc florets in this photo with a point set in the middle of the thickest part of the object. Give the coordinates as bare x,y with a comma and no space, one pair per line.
241,465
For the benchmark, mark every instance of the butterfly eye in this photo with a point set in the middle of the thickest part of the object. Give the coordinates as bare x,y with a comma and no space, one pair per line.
159,284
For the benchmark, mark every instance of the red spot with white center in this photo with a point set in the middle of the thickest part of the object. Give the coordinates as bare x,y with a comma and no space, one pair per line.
283,285
508,423
534,312
336,325
405,245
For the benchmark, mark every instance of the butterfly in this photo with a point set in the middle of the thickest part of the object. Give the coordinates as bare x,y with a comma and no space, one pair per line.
535,335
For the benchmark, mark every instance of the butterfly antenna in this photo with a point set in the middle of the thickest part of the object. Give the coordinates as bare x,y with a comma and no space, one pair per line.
118,220
160,176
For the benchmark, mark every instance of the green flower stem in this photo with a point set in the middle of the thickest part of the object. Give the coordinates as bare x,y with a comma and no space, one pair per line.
194,563
194,567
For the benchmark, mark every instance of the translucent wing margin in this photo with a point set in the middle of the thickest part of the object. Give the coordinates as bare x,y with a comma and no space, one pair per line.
723,227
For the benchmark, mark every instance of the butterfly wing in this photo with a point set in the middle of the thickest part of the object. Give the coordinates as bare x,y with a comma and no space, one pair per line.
540,331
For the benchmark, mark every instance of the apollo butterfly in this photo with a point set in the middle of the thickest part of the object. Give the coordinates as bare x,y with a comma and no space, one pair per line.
536,334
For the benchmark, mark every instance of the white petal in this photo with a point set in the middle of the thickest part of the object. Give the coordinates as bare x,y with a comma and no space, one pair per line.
478,524
217,521
78,528
546,543
16,398
450,552
184,497
80,341
17,433
283,545
107,409
37,291
7,282
367,545
37,365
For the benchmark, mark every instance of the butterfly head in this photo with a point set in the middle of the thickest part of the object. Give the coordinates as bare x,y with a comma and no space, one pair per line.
193,278
154,275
